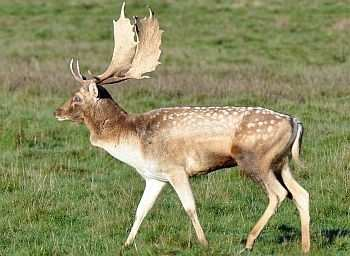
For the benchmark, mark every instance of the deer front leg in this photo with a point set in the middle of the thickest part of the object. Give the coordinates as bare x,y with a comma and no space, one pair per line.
150,194
183,189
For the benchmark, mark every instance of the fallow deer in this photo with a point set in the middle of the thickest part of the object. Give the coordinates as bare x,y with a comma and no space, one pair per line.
170,145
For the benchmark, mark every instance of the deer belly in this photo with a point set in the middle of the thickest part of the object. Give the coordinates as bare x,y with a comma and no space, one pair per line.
205,163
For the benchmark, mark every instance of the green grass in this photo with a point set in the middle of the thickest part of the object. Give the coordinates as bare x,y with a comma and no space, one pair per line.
61,196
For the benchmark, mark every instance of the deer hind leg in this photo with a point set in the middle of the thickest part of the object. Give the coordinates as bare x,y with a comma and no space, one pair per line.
301,200
276,193
183,189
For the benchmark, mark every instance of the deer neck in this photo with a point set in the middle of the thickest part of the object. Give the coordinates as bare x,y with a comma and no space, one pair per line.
109,123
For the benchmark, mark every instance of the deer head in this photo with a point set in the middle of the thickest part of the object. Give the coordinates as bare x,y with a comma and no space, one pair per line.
136,52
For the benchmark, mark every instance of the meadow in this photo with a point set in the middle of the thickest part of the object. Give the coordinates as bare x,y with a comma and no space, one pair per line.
61,196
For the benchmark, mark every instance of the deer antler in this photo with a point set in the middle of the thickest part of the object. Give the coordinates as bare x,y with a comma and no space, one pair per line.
77,76
136,50
148,47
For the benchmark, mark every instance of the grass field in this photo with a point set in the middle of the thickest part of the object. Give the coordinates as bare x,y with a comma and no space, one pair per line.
61,196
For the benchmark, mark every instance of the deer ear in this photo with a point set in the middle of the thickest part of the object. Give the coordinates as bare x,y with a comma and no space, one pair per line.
93,90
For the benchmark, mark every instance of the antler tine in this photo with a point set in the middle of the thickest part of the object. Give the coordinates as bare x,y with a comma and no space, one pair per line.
76,77
78,69
122,10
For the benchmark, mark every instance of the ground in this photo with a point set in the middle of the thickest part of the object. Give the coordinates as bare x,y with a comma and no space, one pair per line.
61,196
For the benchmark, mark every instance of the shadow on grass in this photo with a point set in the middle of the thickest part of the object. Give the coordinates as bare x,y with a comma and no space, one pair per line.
169,252
288,233
331,234
134,250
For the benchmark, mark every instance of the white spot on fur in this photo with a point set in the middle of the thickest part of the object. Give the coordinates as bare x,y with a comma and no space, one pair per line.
251,125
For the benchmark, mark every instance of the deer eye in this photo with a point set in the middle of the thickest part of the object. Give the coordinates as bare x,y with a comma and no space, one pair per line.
76,98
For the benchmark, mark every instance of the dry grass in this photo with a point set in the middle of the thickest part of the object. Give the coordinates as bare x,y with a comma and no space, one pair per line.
299,83
342,25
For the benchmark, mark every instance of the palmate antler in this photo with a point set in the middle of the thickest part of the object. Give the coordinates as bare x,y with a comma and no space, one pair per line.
136,51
